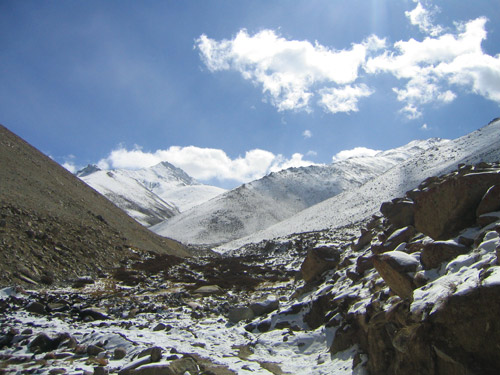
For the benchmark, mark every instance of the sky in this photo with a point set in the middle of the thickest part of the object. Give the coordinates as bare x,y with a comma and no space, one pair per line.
232,90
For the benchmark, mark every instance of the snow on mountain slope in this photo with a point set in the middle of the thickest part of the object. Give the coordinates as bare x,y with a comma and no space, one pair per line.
354,205
277,196
149,195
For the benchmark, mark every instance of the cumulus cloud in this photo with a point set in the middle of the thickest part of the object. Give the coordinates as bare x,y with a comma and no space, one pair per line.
434,66
297,74
70,166
307,134
422,18
354,153
344,99
290,72
205,163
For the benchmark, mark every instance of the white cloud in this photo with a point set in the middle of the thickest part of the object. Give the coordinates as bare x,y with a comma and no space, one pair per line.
307,134
344,99
422,18
354,153
311,153
70,167
205,163
424,127
290,72
433,66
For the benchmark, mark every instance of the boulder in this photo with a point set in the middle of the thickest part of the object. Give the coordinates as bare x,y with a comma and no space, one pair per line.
399,212
363,263
265,307
319,260
240,313
490,201
209,290
435,253
395,267
446,208
395,239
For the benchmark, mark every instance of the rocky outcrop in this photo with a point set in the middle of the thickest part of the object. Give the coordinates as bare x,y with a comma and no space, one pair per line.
397,269
319,260
449,205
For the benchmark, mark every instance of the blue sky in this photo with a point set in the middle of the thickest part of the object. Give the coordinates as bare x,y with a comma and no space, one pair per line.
231,90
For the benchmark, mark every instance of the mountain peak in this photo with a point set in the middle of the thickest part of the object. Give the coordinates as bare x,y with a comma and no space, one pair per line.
89,169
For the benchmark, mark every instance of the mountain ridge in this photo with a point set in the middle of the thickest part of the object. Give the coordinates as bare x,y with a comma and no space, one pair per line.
278,196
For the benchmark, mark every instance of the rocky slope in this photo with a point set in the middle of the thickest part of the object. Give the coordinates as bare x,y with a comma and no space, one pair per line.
353,206
54,227
278,196
149,195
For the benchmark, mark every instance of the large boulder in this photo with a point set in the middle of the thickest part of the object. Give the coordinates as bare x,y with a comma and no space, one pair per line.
490,201
444,209
397,268
399,212
319,260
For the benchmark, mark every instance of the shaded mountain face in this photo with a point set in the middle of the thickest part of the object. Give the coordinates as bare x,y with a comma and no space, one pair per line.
149,195
54,227
262,203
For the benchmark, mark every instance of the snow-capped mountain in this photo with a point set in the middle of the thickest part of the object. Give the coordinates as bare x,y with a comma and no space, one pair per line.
355,205
149,195
278,196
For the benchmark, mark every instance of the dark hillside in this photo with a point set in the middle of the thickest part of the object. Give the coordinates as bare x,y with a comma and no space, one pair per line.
54,226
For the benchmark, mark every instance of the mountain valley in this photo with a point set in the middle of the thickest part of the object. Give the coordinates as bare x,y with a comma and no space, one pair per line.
396,274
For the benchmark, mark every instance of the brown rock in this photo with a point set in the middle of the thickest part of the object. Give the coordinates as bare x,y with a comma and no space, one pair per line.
450,206
319,260
490,201
394,267
435,253
363,263
399,212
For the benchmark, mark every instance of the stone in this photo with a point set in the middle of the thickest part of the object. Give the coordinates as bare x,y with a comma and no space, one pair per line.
94,350
363,264
490,201
100,370
363,240
265,307
42,344
319,260
208,290
119,353
36,308
345,337
95,314
446,208
159,327
395,267
240,313
399,236
435,253
399,212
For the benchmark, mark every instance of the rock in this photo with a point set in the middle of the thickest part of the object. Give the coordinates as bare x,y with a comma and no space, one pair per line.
395,239
94,350
101,370
42,344
159,327
119,353
265,307
435,253
487,219
82,281
319,260
399,212
364,240
445,209
240,313
36,308
363,263
94,314
183,365
395,268
345,337
154,353
490,201
208,290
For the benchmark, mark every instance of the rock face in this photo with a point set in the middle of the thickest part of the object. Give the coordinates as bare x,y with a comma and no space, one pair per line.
54,227
396,269
445,208
317,261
